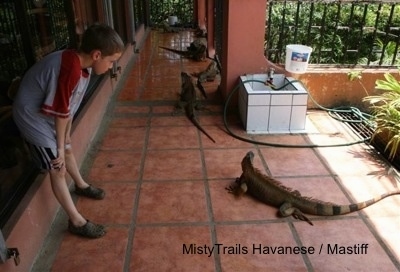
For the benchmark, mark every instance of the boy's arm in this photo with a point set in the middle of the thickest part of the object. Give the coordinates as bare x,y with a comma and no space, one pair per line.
61,129
68,134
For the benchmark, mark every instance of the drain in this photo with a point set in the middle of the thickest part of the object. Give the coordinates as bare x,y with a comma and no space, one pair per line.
360,128
364,131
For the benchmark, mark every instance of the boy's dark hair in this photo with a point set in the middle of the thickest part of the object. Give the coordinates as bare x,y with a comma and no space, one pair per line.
103,38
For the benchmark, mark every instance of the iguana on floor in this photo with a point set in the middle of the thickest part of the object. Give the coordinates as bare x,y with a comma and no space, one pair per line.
168,29
290,202
196,51
189,103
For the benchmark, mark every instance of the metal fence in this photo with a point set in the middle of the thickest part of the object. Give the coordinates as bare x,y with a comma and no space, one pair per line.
27,33
12,61
342,33
161,9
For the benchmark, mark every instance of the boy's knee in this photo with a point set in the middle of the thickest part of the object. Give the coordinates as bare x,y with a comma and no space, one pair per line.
58,173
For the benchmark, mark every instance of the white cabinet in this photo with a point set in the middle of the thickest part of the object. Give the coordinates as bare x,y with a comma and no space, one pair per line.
267,110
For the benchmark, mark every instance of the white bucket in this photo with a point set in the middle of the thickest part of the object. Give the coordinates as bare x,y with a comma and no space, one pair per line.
172,20
297,57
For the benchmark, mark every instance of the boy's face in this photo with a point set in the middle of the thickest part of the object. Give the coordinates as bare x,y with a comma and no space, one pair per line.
101,64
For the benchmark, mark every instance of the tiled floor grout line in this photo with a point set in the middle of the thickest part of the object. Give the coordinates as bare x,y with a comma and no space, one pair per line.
146,75
298,241
366,220
213,231
263,161
292,228
377,237
133,224
132,228
210,214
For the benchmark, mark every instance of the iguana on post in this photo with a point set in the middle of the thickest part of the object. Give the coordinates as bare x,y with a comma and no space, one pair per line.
189,103
208,74
290,202
196,51
200,32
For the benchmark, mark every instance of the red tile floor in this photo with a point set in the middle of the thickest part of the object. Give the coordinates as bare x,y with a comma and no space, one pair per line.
166,200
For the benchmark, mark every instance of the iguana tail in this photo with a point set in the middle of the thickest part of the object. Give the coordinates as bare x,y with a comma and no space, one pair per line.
201,88
183,53
333,209
195,122
216,59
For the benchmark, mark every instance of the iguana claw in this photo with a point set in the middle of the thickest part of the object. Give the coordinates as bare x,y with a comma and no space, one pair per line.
300,216
231,189
287,209
238,189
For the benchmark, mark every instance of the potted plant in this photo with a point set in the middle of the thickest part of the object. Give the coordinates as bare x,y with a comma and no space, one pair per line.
385,110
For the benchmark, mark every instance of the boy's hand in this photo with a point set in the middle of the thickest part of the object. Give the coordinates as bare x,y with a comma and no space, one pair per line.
59,162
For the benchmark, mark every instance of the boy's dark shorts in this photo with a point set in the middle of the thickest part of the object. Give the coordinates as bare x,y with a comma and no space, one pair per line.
43,156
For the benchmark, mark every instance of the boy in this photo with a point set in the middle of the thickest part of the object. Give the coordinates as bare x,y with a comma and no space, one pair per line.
49,95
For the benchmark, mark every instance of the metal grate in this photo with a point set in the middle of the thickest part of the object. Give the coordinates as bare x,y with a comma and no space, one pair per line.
364,131
361,129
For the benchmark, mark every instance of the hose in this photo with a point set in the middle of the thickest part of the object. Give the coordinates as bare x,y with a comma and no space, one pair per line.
363,118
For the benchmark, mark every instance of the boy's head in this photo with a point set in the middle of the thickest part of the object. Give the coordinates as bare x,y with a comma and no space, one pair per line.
103,38
103,45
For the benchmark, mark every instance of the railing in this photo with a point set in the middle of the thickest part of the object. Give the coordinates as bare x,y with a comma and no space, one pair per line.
342,33
27,33
12,60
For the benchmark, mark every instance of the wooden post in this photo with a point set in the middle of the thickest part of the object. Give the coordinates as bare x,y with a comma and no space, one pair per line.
243,41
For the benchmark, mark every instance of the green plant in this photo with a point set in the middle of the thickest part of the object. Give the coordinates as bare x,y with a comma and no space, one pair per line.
385,109
161,9
357,75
